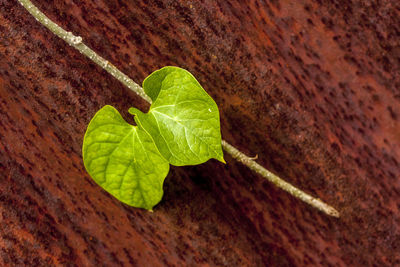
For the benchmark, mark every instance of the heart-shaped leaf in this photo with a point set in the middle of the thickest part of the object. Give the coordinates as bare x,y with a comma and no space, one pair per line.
181,128
124,160
183,119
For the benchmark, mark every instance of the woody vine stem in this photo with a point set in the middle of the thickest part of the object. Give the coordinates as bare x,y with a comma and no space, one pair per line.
77,43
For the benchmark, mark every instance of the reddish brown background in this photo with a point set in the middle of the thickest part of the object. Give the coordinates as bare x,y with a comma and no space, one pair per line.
312,87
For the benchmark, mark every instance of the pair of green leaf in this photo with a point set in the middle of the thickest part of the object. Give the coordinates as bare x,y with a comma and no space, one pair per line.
181,128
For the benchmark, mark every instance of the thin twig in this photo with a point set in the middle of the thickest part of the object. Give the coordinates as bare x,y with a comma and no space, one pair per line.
76,42
254,166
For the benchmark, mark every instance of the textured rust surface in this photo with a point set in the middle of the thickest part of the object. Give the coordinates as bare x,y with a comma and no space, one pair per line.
312,87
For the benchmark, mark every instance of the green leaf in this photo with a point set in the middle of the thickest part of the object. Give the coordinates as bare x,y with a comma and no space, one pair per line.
181,128
124,160
183,119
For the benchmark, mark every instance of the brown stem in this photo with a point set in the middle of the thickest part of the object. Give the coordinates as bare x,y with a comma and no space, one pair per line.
76,42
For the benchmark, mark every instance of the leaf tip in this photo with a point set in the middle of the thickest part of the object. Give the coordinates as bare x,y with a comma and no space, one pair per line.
221,159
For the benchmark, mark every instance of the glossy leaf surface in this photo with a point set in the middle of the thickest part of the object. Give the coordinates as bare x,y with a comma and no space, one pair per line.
181,128
183,119
124,160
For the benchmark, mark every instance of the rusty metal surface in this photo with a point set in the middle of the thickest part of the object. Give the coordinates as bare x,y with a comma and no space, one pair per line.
312,87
